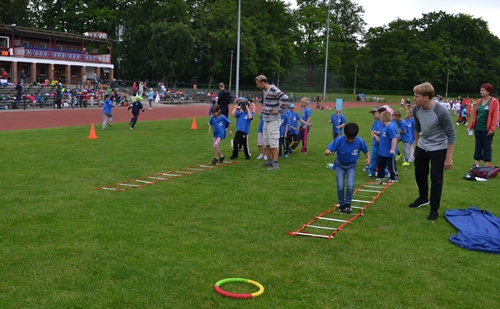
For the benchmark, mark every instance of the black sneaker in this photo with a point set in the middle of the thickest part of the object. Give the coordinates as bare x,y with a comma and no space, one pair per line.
433,215
221,159
342,209
214,161
347,208
419,202
233,157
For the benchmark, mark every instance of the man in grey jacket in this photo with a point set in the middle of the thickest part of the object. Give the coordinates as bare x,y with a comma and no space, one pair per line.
272,98
435,140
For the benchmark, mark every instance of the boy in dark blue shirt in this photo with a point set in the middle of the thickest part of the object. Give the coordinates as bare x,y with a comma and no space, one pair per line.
136,109
348,148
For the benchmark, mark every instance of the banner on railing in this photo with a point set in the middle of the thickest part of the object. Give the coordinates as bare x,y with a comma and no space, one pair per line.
99,35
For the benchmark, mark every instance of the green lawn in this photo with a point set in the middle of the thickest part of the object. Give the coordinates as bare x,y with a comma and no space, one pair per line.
64,245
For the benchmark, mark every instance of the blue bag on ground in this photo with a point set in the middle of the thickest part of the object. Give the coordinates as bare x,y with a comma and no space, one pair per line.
477,229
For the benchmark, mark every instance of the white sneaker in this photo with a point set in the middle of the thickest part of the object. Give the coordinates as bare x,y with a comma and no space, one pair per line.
260,157
265,157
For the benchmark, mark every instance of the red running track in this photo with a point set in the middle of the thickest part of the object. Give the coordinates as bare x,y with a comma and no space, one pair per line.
35,118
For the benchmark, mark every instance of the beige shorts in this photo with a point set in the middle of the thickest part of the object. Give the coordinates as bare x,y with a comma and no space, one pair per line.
271,133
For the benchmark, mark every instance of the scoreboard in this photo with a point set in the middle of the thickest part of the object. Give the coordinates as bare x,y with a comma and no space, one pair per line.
4,51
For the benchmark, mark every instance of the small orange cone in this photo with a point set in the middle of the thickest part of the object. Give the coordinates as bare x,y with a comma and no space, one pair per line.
92,131
193,125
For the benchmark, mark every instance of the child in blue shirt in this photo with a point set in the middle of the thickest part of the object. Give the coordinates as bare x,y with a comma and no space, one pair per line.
348,150
376,127
284,122
410,121
151,96
244,116
260,140
107,112
218,122
305,125
293,128
338,121
387,148
404,136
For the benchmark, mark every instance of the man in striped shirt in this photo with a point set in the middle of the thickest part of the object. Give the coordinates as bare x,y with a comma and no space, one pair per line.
272,98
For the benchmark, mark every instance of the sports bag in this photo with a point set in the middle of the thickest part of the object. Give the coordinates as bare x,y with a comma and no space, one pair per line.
485,172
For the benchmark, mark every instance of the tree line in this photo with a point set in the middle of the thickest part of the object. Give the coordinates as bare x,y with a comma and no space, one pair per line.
194,41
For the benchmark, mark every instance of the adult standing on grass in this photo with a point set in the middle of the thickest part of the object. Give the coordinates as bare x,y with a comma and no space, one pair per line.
484,122
435,140
271,100
224,99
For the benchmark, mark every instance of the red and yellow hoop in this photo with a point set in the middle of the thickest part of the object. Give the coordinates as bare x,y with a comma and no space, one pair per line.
235,295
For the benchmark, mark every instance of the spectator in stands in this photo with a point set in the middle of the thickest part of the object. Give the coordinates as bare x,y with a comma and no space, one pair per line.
58,96
22,78
151,96
134,88
4,74
95,80
141,88
84,80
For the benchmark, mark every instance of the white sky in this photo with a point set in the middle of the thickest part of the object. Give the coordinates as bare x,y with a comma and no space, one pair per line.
382,12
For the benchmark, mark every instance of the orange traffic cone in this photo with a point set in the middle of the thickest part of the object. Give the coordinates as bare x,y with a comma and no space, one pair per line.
92,131
193,125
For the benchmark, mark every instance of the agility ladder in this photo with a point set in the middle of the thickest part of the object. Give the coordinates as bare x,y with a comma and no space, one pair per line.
367,193
151,180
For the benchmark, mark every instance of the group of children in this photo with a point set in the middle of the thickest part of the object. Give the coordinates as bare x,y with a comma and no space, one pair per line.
388,129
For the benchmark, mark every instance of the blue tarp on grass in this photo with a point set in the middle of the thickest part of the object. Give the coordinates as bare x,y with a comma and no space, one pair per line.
477,229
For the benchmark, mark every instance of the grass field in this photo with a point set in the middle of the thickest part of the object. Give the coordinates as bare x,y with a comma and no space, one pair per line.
64,245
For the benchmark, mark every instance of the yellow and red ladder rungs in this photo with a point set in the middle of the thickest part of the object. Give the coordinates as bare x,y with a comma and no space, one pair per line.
155,178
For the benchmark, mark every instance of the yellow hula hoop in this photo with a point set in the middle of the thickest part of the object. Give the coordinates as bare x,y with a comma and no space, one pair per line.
235,295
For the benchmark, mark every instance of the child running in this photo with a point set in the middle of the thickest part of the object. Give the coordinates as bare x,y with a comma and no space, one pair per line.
348,149
136,109
107,112
218,122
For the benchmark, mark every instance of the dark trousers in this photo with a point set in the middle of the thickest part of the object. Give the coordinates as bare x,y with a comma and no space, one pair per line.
482,152
240,139
133,121
283,144
384,162
436,160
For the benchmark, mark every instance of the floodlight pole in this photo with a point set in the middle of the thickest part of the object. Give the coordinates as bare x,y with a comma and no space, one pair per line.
231,70
326,55
447,80
355,76
238,52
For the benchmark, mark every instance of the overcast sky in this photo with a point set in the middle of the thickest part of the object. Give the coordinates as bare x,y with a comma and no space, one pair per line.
381,12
